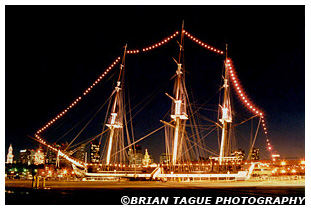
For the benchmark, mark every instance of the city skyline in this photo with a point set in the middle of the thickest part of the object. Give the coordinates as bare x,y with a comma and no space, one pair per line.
65,54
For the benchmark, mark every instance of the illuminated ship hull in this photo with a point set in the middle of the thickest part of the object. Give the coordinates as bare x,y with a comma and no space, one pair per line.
161,173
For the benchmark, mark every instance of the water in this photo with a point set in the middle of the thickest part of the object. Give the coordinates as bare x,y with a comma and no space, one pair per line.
112,196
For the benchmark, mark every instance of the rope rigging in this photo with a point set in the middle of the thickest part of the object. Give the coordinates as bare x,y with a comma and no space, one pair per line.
233,78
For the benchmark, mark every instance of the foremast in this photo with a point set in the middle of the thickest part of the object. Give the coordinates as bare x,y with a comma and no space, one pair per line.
226,115
115,120
179,110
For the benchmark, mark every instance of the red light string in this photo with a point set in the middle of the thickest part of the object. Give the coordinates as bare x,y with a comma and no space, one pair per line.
164,41
246,101
75,102
202,44
154,46
42,141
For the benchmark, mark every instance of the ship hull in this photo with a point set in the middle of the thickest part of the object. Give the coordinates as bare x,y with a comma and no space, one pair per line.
157,174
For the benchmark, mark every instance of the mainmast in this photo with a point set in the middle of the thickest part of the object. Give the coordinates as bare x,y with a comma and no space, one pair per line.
179,112
226,114
115,121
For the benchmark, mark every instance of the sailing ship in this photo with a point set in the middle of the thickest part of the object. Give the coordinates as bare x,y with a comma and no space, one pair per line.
180,164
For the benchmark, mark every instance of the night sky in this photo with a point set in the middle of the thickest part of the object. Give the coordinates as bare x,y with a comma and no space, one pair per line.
53,53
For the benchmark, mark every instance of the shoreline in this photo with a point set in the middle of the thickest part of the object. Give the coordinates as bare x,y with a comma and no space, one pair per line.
153,184
111,193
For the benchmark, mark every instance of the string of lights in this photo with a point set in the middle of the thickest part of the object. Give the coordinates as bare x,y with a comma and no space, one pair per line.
158,44
246,101
75,102
202,44
154,46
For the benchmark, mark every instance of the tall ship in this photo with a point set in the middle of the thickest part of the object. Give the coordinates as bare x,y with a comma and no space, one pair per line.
184,157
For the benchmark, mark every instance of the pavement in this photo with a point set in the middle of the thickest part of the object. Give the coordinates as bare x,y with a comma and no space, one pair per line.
152,184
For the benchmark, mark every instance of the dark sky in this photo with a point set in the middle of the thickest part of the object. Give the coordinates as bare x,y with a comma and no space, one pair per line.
53,53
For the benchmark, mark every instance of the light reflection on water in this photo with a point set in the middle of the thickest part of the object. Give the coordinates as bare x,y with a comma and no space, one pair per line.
74,196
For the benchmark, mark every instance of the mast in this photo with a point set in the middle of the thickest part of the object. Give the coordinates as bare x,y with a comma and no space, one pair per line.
226,114
179,112
115,121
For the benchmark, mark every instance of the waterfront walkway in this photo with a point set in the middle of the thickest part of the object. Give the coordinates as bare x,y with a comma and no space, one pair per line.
154,184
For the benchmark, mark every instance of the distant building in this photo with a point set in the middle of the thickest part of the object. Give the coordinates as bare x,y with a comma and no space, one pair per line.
23,156
239,154
151,158
39,157
27,156
63,146
275,157
80,154
95,156
254,154
165,158
135,156
51,156
138,148
146,160
9,157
